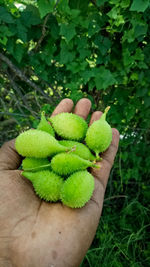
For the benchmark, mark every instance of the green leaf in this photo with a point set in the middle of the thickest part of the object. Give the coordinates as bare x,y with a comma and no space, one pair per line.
10,45
140,30
18,52
4,30
93,28
87,74
81,41
68,31
79,4
100,2
76,95
66,56
22,31
30,17
104,79
74,13
76,67
91,85
46,6
3,40
134,76
84,53
139,54
103,43
113,13
125,3
139,5
54,29
5,16
127,58
147,101
142,65
129,36
63,6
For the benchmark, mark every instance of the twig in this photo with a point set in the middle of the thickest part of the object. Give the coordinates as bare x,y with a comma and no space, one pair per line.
44,29
34,113
43,33
13,96
16,88
31,72
3,104
7,122
119,196
14,114
21,75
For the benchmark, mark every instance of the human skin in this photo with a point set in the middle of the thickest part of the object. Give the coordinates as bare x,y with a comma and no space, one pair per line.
35,233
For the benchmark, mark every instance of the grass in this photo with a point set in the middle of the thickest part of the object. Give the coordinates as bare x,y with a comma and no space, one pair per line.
122,237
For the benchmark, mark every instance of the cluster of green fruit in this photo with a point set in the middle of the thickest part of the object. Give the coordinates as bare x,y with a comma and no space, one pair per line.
57,168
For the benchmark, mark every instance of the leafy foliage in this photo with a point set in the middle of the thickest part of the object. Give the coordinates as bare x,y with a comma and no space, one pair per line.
97,49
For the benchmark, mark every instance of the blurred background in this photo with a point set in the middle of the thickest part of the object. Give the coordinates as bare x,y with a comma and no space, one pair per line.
52,49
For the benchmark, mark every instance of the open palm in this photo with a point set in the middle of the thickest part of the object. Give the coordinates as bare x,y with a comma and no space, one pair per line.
35,233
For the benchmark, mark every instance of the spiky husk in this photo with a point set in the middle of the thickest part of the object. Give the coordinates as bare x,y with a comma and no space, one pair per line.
69,126
67,163
47,184
37,144
77,189
99,136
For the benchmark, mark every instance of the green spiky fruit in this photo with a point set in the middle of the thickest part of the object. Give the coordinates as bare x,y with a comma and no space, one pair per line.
67,163
47,184
45,126
69,126
35,164
37,144
78,148
77,189
99,135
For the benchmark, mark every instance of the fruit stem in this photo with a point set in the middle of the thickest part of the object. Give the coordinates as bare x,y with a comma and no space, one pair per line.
96,166
97,156
43,113
39,167
63,149
106,109
103,117
72,149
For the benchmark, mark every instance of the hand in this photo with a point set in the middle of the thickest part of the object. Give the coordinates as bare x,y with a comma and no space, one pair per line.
35,233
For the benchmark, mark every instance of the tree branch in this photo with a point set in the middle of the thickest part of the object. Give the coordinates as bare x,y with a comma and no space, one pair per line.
21,75
43,33
15,87
7,122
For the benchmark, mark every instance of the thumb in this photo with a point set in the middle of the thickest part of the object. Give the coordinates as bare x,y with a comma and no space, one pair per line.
9,158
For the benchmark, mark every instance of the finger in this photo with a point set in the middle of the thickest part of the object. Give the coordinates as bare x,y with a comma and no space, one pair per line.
9,158
108,157
65,105
83,107
95,116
